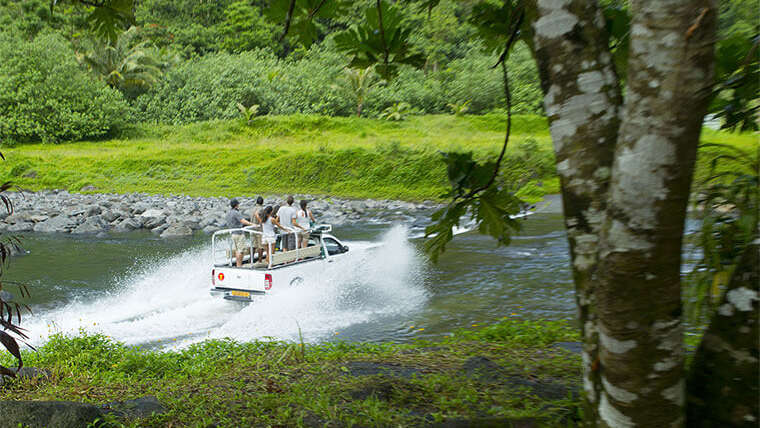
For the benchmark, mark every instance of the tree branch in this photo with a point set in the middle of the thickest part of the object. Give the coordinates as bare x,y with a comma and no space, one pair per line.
288,18
316,9
508,98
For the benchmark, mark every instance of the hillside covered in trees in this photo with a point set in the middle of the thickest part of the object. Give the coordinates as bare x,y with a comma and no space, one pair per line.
189,60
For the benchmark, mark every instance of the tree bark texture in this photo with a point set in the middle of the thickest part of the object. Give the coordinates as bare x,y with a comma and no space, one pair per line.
639,291
625,176
723,382
582,101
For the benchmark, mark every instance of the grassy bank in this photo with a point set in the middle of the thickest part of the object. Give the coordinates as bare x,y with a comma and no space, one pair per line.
348,157
506,372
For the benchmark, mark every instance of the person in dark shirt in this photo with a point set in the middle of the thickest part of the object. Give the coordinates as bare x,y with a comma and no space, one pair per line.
235,220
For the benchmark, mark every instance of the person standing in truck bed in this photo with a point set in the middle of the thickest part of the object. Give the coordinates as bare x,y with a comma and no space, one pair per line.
256,213
285,217
235,220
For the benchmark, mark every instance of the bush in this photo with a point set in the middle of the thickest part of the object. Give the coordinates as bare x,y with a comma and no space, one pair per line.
308,82
46,96
210,87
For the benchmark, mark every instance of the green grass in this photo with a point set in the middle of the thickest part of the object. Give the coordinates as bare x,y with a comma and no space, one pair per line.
303,154
348,157
281,384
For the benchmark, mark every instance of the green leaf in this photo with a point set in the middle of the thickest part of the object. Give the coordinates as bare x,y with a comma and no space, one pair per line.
387,46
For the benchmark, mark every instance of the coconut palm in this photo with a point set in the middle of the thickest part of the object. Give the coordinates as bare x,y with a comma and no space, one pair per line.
361,82
126,65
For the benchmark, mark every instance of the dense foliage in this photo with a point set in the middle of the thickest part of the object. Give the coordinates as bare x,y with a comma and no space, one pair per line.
190,60
46,96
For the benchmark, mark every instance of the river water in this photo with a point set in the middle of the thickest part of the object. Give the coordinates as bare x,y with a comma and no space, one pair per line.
144,290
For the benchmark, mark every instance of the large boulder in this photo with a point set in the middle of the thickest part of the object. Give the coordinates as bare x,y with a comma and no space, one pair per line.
47,414
20,227
153,212
177,229
38,217
26,373
140,207
18,217
75,210
153,222
92,225
91,210
128,224
58,224
109,215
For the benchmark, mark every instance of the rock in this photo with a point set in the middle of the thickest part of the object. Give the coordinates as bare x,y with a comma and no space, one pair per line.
177,229
109,215
58,224
91,210
92,225
160,229
75,210
153,222
208,230
88,188
128,224
138,408
17,217
26,373
47,414
20,227
153,213
357,206
485,370
38,218
140,208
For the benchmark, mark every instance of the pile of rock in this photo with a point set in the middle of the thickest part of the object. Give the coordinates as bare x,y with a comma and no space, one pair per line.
168,216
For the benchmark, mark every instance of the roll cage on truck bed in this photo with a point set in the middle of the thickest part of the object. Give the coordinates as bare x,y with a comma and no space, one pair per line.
256,276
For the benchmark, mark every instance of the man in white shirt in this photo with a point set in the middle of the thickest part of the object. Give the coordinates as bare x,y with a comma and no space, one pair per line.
285,217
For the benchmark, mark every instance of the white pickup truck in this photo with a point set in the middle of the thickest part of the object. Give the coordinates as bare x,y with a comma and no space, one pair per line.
256,277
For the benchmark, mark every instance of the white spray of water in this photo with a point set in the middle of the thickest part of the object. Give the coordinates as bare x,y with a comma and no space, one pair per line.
167,302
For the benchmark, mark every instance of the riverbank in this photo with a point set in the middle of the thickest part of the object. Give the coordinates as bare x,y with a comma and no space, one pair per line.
58,211
514,372
344,157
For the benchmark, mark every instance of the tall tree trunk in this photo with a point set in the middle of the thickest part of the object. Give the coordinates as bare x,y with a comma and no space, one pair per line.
582,100
639,291
723,381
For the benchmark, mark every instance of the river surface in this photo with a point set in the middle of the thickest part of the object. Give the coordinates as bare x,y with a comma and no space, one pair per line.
144,290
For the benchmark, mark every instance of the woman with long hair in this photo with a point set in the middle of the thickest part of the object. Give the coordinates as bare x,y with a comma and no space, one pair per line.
268,237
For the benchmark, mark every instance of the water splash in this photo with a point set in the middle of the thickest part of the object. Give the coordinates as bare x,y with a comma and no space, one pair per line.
166,303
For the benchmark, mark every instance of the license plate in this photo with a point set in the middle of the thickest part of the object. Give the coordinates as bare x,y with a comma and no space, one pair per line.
240,293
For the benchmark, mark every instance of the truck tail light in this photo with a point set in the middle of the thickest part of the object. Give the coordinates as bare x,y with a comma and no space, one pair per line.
267,281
